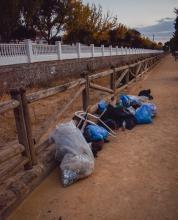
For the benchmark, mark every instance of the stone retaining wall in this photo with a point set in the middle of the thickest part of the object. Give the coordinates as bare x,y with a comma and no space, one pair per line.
37,73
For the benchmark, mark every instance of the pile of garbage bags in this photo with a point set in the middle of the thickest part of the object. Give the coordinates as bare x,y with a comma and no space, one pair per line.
129,110
141,110
77,147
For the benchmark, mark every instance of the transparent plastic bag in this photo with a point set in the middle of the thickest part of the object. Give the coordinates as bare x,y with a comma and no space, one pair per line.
74,152
131,110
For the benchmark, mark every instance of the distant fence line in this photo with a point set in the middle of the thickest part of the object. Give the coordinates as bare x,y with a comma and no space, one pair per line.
29,52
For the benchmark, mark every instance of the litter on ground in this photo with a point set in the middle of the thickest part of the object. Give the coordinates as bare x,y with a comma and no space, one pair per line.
78,141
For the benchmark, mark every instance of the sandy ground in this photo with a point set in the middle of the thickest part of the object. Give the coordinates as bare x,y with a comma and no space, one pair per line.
136,174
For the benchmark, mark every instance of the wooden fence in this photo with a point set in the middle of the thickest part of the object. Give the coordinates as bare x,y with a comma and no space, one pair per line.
29,146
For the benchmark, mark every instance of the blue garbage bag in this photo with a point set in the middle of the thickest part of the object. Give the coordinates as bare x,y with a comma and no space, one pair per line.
130,100
96,133
152,107
135,100
124,99
102,105
143,115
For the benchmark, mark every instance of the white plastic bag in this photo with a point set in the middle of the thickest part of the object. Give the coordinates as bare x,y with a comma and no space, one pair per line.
74,152
131,110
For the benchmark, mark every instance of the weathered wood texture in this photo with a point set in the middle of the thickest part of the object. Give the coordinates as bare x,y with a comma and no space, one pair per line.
36,96
112,80
8,105
21,126
86,91
101,74
16,163
10,150
101,88
123,74
28,126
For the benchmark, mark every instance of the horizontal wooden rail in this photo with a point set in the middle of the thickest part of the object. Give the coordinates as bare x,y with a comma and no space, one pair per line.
134,64
15,165
8,105
102,74
110,71
10,150
36,96
101,88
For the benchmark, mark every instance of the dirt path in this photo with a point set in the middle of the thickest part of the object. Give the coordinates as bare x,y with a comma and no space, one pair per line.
136,174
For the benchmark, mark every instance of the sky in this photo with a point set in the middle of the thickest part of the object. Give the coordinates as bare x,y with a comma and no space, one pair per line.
148,16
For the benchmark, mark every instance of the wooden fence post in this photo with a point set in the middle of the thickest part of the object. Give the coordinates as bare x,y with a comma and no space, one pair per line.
86,91
113,79
28,125
137,70
23,126
127,77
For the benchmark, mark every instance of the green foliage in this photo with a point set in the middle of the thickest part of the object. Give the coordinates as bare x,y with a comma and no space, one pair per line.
51,17
88,24
9,18
173,43
76,27
175,38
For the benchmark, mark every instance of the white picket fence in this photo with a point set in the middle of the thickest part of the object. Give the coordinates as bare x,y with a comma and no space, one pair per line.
29,52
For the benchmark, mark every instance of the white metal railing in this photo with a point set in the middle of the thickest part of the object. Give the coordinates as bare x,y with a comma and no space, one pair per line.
85,49
40,49
28,52
68,49
12,50
97,50
114,51
107,50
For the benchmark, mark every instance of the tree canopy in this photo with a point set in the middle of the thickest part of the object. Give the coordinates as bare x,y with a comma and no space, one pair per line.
72,20
173,43
175,37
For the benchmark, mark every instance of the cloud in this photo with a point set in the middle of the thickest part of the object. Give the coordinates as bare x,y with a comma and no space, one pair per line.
165,19
162,30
